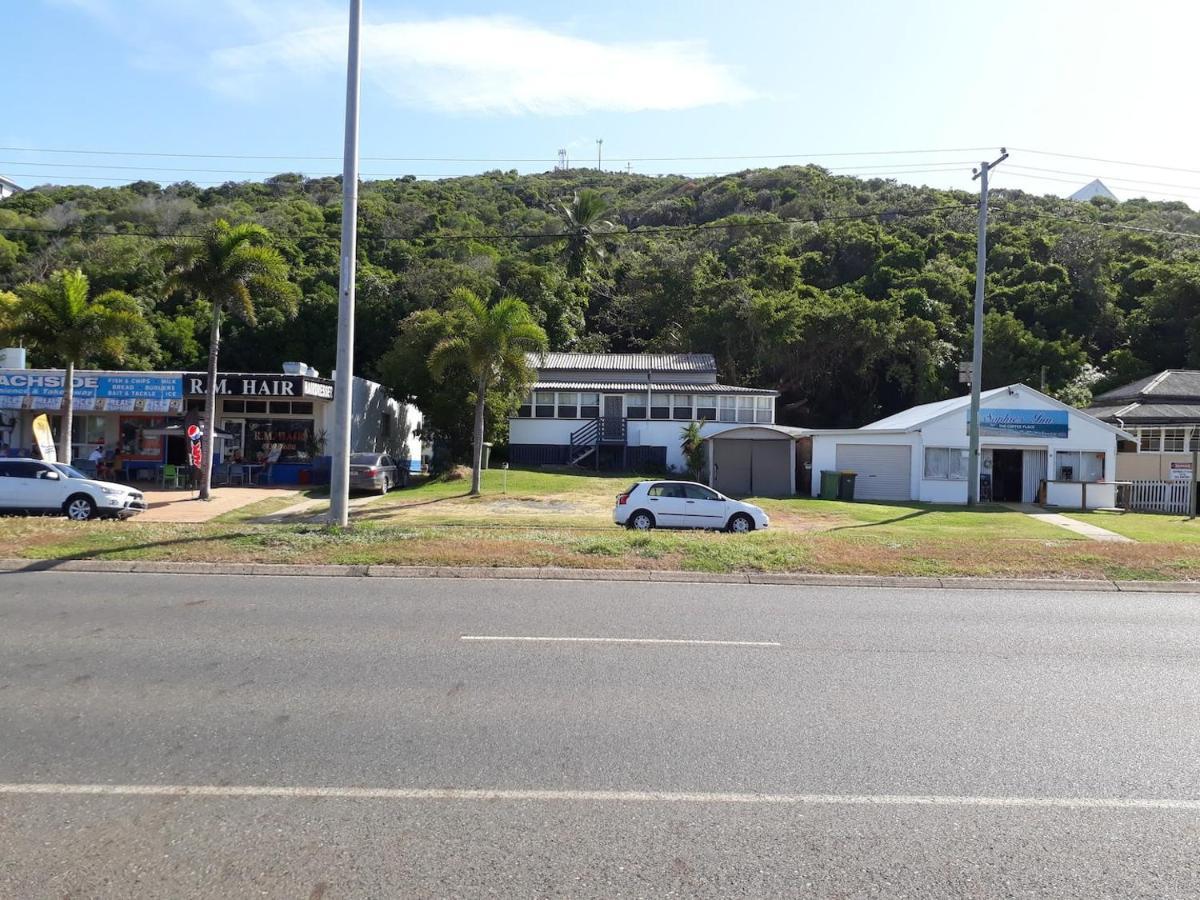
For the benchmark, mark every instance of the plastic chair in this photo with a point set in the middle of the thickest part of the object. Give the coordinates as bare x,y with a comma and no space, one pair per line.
171,473
236,474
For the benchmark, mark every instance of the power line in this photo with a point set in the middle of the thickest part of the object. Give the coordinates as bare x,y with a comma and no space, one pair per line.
1114,162
478,159
1120,226
1114,179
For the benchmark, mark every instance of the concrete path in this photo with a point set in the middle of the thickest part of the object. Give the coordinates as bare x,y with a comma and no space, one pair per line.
183,507
310,510
1092,532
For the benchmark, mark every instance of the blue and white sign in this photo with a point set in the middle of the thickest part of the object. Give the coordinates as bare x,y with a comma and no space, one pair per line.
119,392
1037,423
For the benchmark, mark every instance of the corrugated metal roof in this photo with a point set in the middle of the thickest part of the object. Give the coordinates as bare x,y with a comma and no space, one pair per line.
1148,413
916,416
626,362
1171,384
639,387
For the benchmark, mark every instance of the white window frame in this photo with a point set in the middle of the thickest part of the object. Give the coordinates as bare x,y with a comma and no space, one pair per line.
1156,443
1177,436
764,410
745,409
559,395
948,455
727,409
1077,464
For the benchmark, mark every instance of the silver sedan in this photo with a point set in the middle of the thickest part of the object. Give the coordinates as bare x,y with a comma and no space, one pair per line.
373,472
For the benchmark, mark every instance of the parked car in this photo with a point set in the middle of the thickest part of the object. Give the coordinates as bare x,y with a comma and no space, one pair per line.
35,486
373,472
684,504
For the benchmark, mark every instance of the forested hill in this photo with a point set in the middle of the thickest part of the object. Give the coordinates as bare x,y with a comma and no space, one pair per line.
853,297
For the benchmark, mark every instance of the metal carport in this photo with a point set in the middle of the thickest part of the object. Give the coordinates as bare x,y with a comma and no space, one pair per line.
754,460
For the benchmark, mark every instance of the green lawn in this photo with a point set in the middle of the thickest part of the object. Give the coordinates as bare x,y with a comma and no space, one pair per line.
558,519
1145,527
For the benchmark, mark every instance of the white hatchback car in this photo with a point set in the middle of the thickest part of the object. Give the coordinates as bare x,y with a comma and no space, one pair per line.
32,485
684,504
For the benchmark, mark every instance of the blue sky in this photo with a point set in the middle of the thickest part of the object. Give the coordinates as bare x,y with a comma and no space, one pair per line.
506,85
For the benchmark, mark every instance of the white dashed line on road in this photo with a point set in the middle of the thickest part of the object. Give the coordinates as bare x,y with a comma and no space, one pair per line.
584,796
615,640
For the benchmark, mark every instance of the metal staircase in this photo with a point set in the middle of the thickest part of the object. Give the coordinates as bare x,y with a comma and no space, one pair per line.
587,439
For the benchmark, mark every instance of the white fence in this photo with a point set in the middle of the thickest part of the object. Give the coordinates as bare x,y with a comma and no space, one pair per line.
1156,496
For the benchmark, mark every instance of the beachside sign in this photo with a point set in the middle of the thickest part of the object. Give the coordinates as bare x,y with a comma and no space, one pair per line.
1035,423
126,392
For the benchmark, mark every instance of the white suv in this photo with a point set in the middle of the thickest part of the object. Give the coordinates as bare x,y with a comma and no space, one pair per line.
31,485
684,504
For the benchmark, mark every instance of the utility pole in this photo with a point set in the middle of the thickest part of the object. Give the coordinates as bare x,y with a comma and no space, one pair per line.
977,354
339,488
599,146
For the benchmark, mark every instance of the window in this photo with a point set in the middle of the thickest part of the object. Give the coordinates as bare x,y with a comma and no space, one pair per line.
280,408
1075,465
660,406
745,409
681,406
301,409
194,405
635,406
671,489
543,404
256,406
946,463
1150,440
525,410
20,469
87,429
235,406
1173,440
729,409
589,406
697,492
568,405
706,408
1194,443
764,410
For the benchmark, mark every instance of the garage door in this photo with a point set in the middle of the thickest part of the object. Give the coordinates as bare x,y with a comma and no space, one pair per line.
770,464
884,470
732,462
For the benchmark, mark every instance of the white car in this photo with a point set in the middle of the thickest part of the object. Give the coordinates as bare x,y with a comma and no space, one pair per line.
32,485
684,504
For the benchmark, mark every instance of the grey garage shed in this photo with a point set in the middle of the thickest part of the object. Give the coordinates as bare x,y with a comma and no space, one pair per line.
754,460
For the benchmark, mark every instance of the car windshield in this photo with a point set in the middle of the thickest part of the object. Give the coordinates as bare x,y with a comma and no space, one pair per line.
69,472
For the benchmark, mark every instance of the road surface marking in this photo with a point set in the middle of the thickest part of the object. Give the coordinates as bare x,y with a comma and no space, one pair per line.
613,640
552,796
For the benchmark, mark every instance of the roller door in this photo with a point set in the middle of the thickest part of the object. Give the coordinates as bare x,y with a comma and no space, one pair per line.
732,461
884,470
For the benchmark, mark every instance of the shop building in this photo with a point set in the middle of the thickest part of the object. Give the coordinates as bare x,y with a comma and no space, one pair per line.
1162,412
1032,449
281,419
626,411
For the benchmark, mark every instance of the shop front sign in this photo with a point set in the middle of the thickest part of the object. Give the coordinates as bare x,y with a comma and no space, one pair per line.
266,386
1036,423
118,392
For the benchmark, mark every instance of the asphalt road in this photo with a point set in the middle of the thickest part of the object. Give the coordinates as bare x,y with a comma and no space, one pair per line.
180,736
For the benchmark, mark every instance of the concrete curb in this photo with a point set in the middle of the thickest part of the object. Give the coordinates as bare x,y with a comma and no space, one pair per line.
639,575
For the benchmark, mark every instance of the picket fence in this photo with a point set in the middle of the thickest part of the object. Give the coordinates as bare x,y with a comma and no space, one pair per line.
1156,496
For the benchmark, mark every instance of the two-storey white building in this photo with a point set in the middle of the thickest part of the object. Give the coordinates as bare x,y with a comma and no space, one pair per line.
627,411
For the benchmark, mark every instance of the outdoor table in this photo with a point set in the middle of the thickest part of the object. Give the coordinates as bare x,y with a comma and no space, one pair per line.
249,469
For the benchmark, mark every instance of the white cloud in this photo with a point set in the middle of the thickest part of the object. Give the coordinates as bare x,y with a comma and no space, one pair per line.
489,65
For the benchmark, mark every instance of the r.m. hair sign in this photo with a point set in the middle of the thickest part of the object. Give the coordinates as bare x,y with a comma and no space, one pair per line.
258,386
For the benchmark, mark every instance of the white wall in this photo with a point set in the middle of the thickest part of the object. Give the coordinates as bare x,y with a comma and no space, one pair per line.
1071,495
1083,434
640,433
824,456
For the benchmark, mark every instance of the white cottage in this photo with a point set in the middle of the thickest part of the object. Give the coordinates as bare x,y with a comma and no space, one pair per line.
626,411
1026,439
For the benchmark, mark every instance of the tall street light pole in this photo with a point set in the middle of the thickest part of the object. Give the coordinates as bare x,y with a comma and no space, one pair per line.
977,353
339,489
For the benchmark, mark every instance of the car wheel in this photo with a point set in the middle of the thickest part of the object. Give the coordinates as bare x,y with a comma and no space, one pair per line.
80,508
641,521
384,488
741,524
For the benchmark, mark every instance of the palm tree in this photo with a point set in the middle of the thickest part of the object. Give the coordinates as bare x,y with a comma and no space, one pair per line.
233,270
64,323
491,341
584,217
691,442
